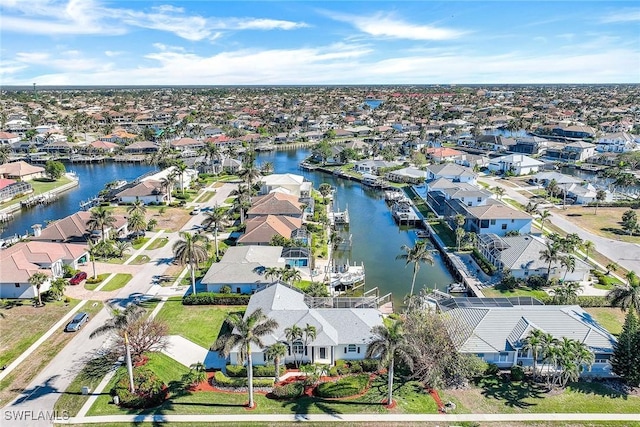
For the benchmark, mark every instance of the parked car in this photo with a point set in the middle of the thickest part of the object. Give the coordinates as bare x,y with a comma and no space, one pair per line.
77,322
195,211
137,234
78,278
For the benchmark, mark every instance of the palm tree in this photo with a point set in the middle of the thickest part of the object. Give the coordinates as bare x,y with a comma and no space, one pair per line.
550,255
500,192
293,333
272,273
214,218
120,324
136,223
533,342
242,333
100,219
567,293
325,189
249,173
612,266
290,275
191,249
167,183
276,352
417,254
93,252
37,279
310,333
336,240
600,196
544,215
5,153
387,344
121,246
180,168
588,247
625,296
569,263
243,201
137,207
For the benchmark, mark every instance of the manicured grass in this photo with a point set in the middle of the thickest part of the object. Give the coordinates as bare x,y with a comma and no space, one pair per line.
140,259
493,292
445,233
157,243
229,200
198,323
22,325
138,243
492,395
611,318
206,196
91,286
39,187
119,281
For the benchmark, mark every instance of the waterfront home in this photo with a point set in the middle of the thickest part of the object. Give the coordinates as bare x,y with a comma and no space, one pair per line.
287,182
104,146
343,325
186,144
544,178
243,268
584,193
518,164
452,172
119,136
492,217
10,188
8,138
261,229
441,191
471,160
571,131
490,143
576,151
275,203
21,171
442,154
407,175
141,147
373,166
494,329
148,191
73,228
531,145
22,260
520,255
618,142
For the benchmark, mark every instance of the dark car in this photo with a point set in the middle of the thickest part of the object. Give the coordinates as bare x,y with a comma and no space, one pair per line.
77,322
78,278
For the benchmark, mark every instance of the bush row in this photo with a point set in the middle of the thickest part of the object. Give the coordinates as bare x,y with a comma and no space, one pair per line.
224,381
211,298
344,387
484,264
345,367
288,391
236,371
604,279
633,204
583,301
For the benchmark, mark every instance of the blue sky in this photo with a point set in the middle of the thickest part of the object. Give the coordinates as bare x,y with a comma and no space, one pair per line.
138,42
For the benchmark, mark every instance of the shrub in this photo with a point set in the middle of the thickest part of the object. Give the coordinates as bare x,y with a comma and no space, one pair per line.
355,367
492,369
226,289
68,271
236,371
333,371
536,282
369,365
288,391
517,373
344,387
211,298
150,390
224,381
484,264
342,367
583,301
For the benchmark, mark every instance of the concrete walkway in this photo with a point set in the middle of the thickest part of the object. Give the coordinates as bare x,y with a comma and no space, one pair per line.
336,417
184,351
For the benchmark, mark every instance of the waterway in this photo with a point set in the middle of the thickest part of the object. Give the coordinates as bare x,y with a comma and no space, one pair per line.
92,179
376,238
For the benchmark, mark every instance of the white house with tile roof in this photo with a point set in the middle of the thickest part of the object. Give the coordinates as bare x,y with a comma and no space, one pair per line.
519,164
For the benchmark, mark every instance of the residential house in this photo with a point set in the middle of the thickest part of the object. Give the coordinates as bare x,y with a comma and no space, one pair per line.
104,146
22,260
148,191
8,138
373,166
187,144
494,329
573,131
21,171
275,203
618,142
521,256
73,228
288,182
343,329
442,154
141,147
528,145
492,217
576,151
407,175
518,164
452,172
243,268
261,229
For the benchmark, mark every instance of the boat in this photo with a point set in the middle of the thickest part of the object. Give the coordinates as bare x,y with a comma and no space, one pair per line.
457,288
422,234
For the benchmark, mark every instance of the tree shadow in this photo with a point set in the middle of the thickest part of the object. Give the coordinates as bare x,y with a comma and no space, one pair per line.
512,393
606,389
38,391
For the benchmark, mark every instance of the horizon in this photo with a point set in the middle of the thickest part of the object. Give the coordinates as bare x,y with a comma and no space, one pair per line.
313,43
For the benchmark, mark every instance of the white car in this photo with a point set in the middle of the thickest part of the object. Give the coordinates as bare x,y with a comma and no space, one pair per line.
195,211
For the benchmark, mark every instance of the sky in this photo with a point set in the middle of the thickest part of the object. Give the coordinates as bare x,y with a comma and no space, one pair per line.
198,42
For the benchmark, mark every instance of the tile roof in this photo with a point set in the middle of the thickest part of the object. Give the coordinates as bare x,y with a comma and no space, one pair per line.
262,228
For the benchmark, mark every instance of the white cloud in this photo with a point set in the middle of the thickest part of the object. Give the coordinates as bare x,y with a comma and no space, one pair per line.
386,25
261,24
626,15
112,53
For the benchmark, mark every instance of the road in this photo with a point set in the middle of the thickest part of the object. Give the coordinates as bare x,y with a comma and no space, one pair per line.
624,254
37,401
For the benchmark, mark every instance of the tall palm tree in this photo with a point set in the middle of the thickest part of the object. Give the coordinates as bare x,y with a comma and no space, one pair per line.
243,201
120,323
500,192
310,334
388,343
416,255
550,255
167,183
249,173
180,168
276,352
242,333
569,263
588,247
325,189
214,218
290,275
625,296
37,279
293,333
136,222
533,342
191,249
137,207
544,216
101,218
272,273
600,196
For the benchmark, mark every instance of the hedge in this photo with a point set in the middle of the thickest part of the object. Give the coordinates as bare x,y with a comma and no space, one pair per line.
237,371
344,387
345,367
211,298
288,391
633,204
222,380
583,301
484,264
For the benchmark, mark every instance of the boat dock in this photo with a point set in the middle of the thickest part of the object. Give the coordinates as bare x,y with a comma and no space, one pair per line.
40,199
339,218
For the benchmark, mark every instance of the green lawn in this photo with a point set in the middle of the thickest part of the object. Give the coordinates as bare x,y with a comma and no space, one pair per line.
140,259
91,286
410,395
443,231
198,323
138,243
157,243
38,188
119,281
492,395
611,318
493,292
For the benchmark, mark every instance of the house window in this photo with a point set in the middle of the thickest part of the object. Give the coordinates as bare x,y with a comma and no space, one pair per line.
479,199
493,222
323,353
523,354
480,355
17,285
503,357
298,347
351,348
469,203
504,226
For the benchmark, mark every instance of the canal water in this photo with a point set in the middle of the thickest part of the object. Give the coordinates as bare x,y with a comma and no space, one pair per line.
376,238
92,179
